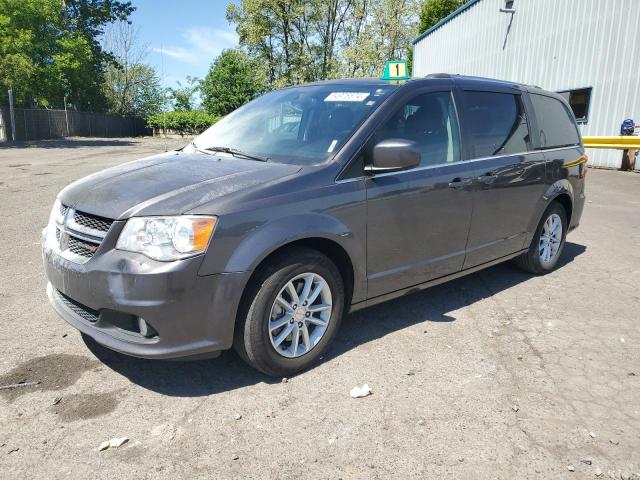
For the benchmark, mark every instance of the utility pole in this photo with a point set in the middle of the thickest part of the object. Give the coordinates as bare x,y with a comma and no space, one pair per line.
66,116
12,116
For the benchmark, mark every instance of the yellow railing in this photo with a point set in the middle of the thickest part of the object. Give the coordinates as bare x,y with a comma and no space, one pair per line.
618,143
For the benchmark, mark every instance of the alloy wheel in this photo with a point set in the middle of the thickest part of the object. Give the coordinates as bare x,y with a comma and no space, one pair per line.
550,239
300,315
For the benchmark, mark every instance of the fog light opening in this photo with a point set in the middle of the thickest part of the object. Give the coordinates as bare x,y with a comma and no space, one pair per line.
145,329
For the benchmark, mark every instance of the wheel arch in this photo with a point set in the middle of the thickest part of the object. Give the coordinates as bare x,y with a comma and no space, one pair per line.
566,201
560,191
324,233
331,249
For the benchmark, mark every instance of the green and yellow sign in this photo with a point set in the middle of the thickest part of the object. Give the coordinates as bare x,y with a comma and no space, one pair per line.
395,70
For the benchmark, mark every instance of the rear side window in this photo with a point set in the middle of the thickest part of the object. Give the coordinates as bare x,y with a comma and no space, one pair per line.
496,124
555,121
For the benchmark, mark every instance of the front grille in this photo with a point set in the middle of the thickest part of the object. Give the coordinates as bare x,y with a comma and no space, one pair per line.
76,307
81,247
81,235
92,221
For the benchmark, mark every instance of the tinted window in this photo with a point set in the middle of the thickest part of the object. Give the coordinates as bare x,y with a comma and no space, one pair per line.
555,121
430,121
579,102
496,124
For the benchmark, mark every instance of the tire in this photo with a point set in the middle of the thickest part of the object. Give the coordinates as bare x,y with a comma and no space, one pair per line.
259,311
535,260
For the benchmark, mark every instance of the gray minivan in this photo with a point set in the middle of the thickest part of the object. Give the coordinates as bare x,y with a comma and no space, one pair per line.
310,202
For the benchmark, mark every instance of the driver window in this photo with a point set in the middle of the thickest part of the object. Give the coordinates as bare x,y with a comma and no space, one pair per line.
430,121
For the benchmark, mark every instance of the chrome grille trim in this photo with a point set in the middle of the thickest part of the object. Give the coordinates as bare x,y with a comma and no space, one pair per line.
80,222
94,222
79,234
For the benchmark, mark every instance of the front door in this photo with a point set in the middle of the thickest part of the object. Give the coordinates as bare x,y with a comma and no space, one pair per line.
418,219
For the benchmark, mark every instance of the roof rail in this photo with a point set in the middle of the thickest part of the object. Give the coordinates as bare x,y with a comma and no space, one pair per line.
438,75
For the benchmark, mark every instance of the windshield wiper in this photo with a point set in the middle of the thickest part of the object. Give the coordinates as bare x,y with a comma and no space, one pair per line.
237,153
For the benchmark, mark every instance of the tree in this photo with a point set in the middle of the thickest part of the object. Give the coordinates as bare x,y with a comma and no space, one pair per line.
432,12
435,10
131,87
183,97
50,49
298,41
381,31
277,32
230,83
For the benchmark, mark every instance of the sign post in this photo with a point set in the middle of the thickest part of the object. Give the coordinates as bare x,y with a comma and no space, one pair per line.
66,115
12,116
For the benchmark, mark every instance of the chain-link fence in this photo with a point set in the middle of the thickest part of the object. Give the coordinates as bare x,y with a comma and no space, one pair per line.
38,124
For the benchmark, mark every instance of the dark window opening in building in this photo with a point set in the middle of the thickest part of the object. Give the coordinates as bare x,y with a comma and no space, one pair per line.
508,4
579,101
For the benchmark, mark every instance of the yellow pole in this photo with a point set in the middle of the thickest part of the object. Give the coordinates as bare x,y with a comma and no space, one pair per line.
618,142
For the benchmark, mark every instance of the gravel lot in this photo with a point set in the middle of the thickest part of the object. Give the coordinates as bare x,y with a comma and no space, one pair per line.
499,375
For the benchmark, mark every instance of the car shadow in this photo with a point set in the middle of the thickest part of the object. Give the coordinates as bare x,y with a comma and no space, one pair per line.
228,372
434,304
69,143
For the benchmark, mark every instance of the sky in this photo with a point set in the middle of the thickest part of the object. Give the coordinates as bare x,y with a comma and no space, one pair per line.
183,36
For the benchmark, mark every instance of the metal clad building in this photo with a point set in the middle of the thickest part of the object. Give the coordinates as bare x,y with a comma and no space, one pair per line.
589,49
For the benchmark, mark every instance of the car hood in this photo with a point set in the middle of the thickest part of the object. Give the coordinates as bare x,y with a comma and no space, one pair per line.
171,183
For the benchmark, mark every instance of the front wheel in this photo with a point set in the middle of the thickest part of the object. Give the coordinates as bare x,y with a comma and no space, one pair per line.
547,243
291,313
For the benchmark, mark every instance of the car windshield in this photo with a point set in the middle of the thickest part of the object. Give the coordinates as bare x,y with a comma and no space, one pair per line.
301,125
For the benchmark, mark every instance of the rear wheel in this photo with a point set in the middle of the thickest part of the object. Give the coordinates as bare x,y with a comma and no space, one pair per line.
290,313
547,243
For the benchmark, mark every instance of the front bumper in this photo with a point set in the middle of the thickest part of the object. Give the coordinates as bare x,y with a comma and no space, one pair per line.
192,315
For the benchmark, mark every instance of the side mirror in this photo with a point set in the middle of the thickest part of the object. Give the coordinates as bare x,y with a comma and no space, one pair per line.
394,154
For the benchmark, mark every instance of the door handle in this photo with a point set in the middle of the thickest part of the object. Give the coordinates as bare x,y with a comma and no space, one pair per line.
459,182
487,178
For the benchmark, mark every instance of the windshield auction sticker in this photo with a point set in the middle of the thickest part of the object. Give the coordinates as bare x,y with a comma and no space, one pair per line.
346,96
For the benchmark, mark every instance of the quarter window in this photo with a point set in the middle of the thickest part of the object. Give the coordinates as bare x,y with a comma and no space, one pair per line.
579,101
555,121
496,124
430,121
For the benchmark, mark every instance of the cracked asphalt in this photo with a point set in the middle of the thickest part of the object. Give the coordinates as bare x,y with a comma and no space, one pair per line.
498,375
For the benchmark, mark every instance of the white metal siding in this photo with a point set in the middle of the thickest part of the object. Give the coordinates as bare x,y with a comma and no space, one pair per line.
554,44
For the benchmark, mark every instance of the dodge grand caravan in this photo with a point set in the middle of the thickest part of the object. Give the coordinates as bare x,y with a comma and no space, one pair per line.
307,203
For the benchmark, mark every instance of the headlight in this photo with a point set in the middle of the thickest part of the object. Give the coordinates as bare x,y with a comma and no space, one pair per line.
167,238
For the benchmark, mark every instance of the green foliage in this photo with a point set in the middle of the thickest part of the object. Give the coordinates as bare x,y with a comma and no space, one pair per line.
183,97
133,91
231,82
130,86
381,31
51,48
191,122
305,40
435,10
